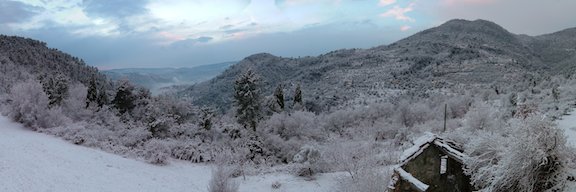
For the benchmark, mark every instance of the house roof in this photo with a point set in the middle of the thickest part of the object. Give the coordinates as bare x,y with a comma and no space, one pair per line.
447,146
452,149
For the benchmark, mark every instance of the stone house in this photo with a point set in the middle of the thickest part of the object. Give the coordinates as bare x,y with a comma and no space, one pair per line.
433,164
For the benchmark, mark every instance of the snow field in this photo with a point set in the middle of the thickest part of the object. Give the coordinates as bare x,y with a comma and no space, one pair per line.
31,161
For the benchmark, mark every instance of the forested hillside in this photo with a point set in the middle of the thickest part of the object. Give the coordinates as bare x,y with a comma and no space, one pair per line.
22,57
458,53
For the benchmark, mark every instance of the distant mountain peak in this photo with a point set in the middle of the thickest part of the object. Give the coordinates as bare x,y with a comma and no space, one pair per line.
465,32
261,55
478,25
470,22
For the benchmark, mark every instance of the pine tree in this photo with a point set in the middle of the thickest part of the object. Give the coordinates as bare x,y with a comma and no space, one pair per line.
279,95
297,96
247,100
56,87
206,116
92,95
124,99
555,93
102,97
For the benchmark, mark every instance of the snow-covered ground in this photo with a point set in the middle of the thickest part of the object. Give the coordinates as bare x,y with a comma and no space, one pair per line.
568,124
31,161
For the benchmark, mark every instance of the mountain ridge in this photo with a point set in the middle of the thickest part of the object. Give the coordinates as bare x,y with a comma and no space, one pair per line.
456,53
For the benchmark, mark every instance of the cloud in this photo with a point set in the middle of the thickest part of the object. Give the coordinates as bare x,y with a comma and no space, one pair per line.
14,12
304,2
405,28
187,43
399,13
383,3
114,8
138,51
226,27
67,15
457,2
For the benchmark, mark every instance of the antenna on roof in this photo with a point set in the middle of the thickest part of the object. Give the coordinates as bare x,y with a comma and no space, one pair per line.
445,115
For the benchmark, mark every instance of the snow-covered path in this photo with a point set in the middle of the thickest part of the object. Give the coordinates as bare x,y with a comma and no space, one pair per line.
31,161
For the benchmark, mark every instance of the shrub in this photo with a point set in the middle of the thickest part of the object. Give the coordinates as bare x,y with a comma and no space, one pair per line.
351,157
29,106
276,185
298,124
221,181
530,155
156,152
483,117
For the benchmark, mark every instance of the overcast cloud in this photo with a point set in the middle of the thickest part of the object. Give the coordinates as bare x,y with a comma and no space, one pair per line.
176,33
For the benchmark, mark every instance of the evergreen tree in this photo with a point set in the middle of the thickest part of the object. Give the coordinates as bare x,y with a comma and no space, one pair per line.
124,99
247,100
297,96
56,87
96,93
555,93
102,97
92,95
279,95
206,116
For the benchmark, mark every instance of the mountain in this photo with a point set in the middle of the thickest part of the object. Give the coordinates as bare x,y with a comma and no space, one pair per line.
24,58
157,78
557,49
456,53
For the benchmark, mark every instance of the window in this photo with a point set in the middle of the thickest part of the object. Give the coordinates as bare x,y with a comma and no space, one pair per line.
443,164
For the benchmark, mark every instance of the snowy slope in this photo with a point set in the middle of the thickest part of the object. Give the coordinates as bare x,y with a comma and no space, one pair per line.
568,124
31,161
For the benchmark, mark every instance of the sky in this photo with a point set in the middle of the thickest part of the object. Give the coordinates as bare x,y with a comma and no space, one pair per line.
112,34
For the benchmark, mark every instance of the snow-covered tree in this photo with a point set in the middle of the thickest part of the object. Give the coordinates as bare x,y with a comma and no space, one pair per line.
124,99
530,155
75,105
92,92
297,98
56,87
279,96
247,99
221,180
96,93
29,105
206,118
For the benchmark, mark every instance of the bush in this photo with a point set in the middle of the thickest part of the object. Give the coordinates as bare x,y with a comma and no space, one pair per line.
156,152
221,181
299,124
29,106
483,117
530,155
351,157
276,185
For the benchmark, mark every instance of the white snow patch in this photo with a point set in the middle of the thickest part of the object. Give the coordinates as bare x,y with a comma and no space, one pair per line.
31,161
417,148
457,155
568,124
411,179
320,183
